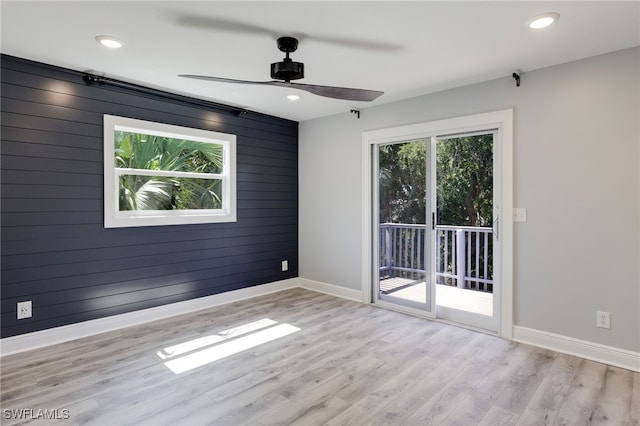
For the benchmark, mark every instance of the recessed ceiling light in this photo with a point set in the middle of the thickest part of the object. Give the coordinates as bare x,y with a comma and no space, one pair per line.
109,41
543,21
293,97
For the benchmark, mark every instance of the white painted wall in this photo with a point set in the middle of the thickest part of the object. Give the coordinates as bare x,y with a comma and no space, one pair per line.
576,170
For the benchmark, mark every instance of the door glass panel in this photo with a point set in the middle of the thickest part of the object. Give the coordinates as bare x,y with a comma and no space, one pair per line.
464,237
404,240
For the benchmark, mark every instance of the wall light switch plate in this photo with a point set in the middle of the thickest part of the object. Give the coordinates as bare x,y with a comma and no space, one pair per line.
519,214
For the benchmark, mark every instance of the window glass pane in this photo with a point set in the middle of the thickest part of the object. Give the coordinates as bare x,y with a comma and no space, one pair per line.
403,182
169,193
151,152
465,180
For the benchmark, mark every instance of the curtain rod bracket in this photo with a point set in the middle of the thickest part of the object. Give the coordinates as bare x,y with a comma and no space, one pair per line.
93,79
516,76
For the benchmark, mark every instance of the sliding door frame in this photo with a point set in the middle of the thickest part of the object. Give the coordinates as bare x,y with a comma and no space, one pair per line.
502,122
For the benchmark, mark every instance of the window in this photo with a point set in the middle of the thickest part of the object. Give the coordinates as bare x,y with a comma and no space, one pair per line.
159,174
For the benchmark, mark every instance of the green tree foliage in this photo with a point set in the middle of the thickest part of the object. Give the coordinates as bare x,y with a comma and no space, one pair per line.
149,152
465,180
403,182
464,170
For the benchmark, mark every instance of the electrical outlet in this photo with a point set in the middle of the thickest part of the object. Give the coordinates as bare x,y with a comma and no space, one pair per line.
603,319
24,309
285,265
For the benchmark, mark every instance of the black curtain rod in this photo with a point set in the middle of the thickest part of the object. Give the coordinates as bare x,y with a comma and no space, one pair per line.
92,79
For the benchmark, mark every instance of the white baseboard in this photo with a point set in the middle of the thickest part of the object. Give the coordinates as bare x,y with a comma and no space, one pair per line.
52,336
594,351
333,290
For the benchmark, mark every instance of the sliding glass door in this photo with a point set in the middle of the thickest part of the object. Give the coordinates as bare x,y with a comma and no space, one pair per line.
438,201
435,216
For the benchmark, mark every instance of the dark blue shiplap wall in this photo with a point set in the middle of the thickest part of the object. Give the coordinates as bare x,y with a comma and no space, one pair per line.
55,251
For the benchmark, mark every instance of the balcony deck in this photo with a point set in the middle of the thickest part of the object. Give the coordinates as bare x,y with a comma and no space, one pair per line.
478,302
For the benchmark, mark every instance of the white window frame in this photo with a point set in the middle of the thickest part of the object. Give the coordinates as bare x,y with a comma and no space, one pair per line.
114,218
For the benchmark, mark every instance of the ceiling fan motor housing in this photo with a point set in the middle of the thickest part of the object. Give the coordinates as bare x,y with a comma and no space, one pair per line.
287,70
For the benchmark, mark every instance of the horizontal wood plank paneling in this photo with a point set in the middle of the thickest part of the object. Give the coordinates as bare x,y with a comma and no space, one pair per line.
182,276
55,251
31,276
203,238
24,177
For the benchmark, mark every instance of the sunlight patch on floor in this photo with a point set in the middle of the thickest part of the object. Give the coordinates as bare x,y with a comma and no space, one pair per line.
202,342
205,350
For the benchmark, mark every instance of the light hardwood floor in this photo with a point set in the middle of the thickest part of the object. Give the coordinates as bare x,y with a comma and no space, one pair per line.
348,364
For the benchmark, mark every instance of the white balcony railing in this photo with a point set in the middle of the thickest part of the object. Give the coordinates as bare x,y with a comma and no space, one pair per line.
463,255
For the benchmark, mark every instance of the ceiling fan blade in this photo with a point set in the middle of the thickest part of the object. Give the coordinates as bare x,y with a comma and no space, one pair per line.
213,23
343,93
352,42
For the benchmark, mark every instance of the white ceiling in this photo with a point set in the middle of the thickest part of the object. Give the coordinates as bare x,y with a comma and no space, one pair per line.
405,49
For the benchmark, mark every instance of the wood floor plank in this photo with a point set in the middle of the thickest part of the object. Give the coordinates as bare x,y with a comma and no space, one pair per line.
582,400
614,405
497,416
368,405
406,405
453,393
289,385
468,411
524,384
501,371
307,396
544,406
343,363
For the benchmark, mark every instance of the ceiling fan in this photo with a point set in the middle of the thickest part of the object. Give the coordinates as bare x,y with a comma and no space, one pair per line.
286,70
